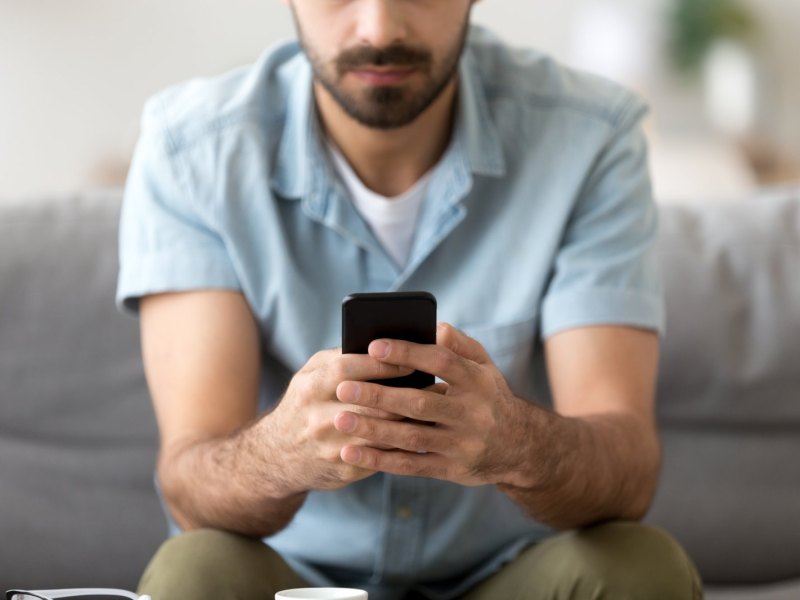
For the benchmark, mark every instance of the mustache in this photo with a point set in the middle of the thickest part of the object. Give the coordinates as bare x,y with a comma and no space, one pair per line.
397,55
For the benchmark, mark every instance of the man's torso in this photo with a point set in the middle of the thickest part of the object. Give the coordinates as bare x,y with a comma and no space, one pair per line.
258,192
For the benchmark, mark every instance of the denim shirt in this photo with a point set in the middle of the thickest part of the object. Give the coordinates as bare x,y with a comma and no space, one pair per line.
538,218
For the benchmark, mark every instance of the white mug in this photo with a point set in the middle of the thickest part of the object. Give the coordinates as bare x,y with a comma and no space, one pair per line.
322,594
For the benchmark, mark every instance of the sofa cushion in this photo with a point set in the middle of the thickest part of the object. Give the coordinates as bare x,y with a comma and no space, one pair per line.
77,433
732,278
729,386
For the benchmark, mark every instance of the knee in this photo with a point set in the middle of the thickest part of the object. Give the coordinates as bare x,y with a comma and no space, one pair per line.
206,563
211,551
624,560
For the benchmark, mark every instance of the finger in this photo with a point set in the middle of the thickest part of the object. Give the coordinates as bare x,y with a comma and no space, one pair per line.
360,367
460,343
429,358
437,388
412,437
320,358
375,412
420,405
397,462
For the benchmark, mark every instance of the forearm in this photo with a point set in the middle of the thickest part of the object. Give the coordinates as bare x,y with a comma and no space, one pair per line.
579,470
236,483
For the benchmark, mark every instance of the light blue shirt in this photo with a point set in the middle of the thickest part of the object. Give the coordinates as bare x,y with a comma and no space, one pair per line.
538,218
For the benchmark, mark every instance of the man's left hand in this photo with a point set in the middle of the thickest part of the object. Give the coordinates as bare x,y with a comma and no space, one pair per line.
470,430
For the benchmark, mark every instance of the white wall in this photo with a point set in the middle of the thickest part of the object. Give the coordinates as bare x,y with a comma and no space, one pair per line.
780,55
74,74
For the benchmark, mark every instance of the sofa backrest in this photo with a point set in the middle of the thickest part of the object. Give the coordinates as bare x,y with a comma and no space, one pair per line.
78,438
729,386
77,433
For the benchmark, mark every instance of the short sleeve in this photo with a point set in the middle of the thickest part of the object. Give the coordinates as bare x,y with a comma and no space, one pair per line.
168,239
606,271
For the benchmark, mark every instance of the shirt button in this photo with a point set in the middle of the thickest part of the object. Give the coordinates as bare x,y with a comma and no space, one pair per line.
405,512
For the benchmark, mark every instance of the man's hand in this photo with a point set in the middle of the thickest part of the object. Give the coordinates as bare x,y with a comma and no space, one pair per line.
468,430
594,458
222,465
302,423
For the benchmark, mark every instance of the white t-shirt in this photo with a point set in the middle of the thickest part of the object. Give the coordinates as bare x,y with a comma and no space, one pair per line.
391,219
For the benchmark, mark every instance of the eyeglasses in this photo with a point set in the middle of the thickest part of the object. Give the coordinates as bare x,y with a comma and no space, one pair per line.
87,593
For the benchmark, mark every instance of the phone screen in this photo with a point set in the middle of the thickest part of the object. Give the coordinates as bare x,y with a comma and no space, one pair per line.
395,315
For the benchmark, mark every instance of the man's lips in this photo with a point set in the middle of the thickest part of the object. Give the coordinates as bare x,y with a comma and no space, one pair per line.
383,76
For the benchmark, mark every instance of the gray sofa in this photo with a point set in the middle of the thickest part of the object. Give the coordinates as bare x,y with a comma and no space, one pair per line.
78,438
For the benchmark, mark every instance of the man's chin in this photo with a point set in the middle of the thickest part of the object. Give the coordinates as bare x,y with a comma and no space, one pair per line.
382,122
381,107
383,110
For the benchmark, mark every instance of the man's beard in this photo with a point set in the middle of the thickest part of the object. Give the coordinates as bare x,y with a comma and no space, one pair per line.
388,106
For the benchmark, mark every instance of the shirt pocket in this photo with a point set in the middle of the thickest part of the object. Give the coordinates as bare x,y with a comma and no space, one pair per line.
511,346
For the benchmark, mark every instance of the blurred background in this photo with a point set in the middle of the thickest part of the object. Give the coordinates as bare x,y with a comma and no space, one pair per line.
721,77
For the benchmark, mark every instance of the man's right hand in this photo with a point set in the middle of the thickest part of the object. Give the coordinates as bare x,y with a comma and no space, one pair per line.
220,464
301,426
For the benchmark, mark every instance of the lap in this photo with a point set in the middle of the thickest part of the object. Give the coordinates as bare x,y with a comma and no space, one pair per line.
619,560
211,564
614,560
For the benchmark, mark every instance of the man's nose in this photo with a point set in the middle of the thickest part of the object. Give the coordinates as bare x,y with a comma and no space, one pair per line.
381,23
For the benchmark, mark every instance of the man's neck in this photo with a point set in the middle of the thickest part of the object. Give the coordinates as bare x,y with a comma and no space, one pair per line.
390,161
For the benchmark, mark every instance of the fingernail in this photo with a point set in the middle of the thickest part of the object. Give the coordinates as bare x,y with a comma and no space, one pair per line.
346,422
349,391
379,349
351,454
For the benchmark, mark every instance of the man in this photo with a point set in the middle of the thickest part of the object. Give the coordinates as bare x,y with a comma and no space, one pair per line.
396,148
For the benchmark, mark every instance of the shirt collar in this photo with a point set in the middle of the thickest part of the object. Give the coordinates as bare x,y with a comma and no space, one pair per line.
301,165
475,122
299,153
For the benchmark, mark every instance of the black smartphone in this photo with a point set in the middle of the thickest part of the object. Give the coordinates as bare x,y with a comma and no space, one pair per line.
395,315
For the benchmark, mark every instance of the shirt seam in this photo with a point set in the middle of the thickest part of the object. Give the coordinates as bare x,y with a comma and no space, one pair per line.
178,144
182,173
614,115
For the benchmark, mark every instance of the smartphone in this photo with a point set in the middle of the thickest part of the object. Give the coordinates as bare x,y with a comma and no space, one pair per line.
407,316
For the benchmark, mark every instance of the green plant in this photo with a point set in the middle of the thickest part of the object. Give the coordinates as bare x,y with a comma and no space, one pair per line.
696,24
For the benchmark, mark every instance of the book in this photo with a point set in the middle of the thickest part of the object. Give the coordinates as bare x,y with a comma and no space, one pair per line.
86,593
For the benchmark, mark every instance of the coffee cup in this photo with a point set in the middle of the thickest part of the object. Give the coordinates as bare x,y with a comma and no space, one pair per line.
323,593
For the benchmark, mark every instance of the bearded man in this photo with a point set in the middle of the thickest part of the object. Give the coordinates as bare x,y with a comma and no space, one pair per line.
396,147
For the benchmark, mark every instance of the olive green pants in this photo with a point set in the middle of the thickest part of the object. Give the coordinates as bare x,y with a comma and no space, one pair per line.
619,561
